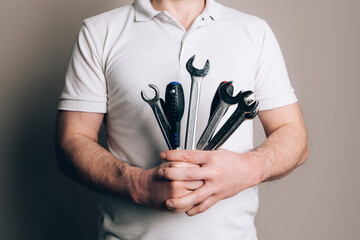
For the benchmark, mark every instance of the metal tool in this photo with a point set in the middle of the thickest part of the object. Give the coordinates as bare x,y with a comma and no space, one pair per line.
160,116
216,100
174,99
197,75
246,109
225,101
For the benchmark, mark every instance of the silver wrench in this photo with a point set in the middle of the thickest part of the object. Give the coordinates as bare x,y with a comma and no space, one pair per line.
225,100
197,75
160,116
247,109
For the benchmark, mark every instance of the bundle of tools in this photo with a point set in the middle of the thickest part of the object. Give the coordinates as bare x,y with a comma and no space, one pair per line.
168,113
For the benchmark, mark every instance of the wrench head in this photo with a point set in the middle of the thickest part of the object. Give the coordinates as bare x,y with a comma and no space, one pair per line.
151,100
197,72
251,115
245,104
225,96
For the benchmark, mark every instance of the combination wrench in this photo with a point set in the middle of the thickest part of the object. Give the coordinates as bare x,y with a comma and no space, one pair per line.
225,101
155,104
246,109
197,75
216,99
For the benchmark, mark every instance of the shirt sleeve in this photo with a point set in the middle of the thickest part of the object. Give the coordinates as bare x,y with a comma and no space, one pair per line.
272,84
85,85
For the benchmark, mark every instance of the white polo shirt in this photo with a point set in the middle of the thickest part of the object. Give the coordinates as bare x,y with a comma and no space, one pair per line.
118,53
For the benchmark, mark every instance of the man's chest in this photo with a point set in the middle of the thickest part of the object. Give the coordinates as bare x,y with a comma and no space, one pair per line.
160,57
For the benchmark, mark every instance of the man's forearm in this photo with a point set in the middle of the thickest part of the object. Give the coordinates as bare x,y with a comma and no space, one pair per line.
283,151
91,165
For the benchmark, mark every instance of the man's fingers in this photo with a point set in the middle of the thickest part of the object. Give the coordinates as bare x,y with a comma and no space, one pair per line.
192,185
190,156
188,201
183,174
202,207
177,165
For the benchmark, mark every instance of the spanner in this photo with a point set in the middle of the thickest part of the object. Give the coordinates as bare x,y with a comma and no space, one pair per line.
197,75
216,100
245,110
225,100
160,116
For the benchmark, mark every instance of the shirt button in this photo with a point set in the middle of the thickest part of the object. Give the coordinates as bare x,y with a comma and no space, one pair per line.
166,18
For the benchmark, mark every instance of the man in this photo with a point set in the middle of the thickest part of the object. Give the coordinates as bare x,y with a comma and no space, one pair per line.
144,196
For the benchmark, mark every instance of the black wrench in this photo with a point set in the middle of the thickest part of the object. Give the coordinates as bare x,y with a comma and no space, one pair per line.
225,101
246,109
160,116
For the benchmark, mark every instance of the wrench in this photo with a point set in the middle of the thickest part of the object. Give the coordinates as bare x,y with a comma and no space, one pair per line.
216,99
160,116
246,109
225,100
197,75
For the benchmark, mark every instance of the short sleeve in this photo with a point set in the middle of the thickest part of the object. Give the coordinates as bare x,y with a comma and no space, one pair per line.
272,84
85,86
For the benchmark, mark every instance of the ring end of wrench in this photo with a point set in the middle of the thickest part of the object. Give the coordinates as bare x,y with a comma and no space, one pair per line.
147,99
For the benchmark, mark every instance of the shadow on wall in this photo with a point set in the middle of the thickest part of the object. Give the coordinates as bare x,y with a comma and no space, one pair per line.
40,203
50,205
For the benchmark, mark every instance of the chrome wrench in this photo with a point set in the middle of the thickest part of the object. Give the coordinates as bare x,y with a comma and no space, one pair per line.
246,109
197,75
225,101
155,104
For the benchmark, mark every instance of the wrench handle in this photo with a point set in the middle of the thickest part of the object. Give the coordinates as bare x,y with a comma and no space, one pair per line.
216,100
193,110
211,127
226,131
163,123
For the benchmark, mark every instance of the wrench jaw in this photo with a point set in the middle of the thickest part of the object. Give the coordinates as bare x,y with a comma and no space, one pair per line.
151,100
247,105
251,115
197,72
225,96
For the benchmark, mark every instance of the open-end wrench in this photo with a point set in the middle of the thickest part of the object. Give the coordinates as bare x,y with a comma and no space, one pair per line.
216,100
197,76
160,116
245,110
225,100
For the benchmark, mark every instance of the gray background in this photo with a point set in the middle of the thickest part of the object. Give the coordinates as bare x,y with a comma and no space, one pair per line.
319,39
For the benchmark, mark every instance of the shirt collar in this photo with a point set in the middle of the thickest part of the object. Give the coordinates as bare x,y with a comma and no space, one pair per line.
144,11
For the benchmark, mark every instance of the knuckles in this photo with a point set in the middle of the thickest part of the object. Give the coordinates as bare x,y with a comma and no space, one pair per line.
192,173
168,173
174,185
187,156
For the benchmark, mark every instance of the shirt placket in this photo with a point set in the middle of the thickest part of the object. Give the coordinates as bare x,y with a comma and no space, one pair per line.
183,38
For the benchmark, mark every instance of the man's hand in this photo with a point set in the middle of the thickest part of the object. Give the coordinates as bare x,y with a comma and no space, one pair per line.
227,173
224,174
83,159
153,192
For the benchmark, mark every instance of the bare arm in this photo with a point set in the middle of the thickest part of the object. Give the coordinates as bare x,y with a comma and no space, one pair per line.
227,173
80,157
286,146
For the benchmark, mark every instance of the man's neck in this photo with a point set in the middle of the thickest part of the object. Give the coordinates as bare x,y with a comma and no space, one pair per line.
184,11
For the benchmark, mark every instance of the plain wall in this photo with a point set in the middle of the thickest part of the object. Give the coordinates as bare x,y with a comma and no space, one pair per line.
319,39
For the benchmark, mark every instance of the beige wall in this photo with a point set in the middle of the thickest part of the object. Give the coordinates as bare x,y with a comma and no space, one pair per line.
319,39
